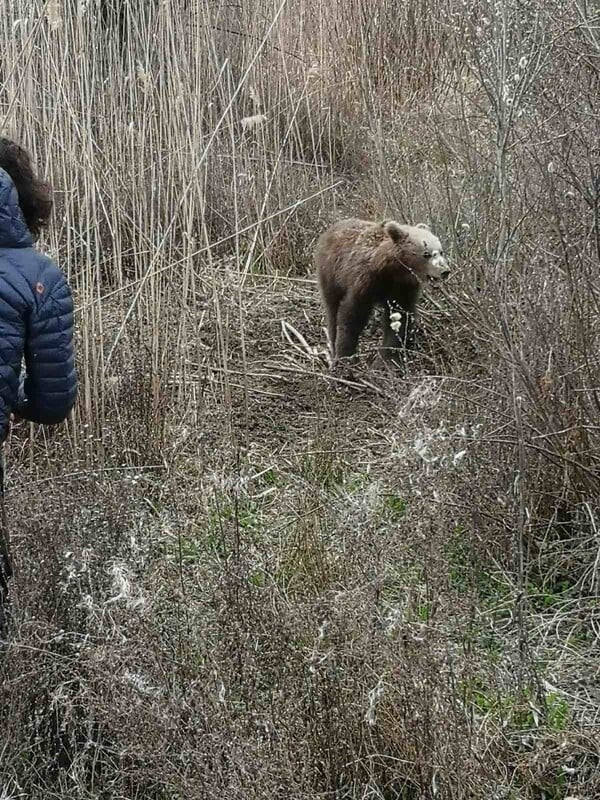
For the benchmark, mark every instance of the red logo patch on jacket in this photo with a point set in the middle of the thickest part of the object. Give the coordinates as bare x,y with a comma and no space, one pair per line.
39,287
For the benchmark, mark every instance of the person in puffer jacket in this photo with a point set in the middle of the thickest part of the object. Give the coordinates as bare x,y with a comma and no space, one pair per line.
36,316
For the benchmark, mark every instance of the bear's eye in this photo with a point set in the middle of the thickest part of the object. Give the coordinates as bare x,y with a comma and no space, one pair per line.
426,254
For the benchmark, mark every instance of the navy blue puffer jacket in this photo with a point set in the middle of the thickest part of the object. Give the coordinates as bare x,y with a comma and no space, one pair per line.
36,323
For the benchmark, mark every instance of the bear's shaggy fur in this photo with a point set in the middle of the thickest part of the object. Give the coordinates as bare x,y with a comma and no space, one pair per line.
361,264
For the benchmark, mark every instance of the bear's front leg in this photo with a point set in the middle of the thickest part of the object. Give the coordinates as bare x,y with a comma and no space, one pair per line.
353,315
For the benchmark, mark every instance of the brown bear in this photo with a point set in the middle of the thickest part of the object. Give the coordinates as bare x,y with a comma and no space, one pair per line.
361,264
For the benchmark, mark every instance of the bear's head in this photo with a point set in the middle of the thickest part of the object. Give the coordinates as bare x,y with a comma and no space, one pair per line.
418,249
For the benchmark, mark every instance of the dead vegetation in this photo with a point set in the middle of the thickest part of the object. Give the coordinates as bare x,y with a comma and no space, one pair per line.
237,575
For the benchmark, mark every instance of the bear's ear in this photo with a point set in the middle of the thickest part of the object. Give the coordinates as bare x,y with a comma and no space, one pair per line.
422,225
394,230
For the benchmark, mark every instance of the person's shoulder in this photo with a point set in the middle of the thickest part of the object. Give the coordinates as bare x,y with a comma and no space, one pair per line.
30,262
47,267
30,278
45,275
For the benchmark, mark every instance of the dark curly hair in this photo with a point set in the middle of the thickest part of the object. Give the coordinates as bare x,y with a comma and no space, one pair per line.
35,196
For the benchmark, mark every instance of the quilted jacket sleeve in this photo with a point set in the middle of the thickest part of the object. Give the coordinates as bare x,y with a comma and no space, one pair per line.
49,389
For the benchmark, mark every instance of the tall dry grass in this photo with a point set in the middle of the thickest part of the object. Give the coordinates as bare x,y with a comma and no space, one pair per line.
237,576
